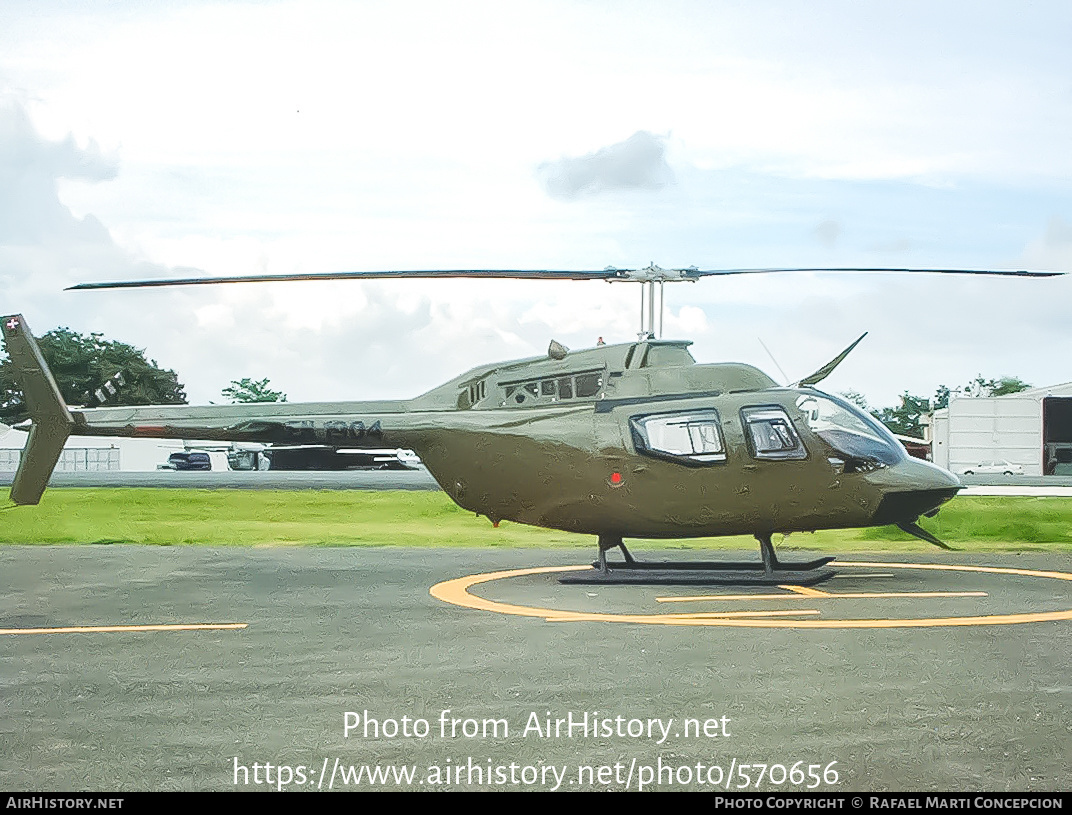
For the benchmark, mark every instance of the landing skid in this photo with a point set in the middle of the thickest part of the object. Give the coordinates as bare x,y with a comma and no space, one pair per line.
712,576
771,572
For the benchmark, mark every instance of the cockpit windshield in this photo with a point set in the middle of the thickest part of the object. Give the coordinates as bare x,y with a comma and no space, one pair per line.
848,430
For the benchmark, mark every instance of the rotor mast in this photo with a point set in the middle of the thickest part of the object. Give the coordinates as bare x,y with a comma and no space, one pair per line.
650,277
647,326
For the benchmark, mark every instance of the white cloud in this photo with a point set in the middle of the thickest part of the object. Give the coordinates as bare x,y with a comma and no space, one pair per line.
638,163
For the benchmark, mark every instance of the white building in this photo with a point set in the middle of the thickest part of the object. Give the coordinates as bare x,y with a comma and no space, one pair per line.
1032,428
92,453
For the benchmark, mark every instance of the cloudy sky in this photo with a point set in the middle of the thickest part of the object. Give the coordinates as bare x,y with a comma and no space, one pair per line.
149,140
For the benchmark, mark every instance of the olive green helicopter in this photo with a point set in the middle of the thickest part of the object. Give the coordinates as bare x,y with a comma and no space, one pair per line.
627,440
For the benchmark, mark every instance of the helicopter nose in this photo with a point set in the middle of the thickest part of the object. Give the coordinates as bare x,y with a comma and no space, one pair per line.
912,488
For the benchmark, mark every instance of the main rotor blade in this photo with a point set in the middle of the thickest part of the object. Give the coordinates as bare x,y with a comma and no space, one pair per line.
696,273
828,369
521,274
648,274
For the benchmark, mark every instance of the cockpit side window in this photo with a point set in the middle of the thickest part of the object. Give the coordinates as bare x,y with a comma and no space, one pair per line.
693,438
771,435
858,438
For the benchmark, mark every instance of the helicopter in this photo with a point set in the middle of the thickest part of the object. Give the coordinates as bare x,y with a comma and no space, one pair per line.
625,440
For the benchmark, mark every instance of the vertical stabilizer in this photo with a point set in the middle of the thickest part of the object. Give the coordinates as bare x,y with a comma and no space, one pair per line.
52,421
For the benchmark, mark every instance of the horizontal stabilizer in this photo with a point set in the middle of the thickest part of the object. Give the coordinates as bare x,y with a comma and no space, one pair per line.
52,421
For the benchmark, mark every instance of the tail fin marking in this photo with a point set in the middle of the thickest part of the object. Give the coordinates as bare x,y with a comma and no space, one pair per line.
52,421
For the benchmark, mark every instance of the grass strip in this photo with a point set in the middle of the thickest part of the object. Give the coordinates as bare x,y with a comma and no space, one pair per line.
226,517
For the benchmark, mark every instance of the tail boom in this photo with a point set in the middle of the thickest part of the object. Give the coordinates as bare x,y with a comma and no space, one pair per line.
342,424
349,424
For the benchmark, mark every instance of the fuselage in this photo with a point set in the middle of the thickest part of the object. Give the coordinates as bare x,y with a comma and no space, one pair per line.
634,440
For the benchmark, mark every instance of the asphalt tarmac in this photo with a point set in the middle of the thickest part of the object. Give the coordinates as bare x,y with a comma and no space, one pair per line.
352,637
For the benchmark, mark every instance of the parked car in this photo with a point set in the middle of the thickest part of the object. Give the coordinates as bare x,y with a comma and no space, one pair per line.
1002,467
196,460
189,461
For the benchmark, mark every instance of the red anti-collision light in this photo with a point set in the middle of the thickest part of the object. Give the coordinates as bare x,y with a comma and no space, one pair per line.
615,478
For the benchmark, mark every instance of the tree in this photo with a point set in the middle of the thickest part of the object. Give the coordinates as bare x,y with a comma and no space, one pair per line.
979,387
1009,384
857,399
82,364
249,390
982,387
905,419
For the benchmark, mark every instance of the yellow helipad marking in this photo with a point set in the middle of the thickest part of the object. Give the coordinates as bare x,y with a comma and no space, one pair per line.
457,593
113,629
683,619
807,593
